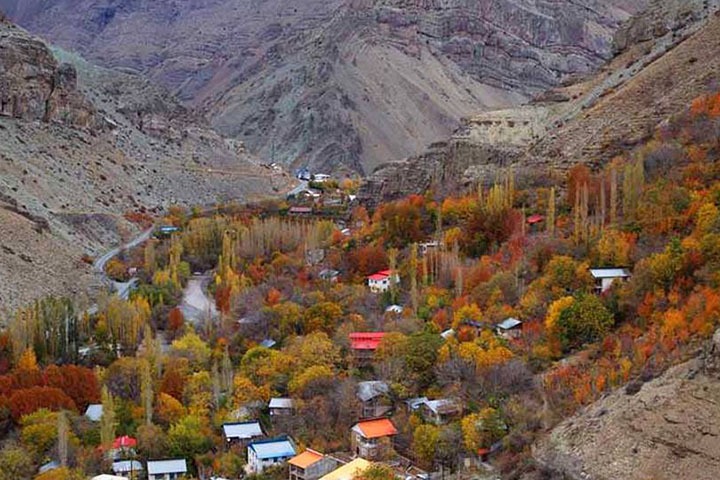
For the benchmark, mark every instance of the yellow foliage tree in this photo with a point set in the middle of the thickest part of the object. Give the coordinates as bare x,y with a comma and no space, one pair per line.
554,311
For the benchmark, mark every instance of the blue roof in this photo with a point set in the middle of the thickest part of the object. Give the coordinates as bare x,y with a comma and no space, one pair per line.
268,343
277,448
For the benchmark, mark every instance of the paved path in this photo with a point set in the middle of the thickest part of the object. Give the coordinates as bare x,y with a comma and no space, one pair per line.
196,305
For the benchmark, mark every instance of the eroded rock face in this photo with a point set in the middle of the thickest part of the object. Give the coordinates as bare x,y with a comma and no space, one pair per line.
339,84
668,429
34,87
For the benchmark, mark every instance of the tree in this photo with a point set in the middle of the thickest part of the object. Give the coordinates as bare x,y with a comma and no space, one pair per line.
586,320
482,429
312,381
107,421
15,463
79,383
169,409
29,400
189,437
152,441
550,221
146,390
63,432
38,431
425,443
191,347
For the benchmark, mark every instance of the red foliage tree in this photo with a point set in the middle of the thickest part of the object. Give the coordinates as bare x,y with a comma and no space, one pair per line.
79,383
176,320
29,400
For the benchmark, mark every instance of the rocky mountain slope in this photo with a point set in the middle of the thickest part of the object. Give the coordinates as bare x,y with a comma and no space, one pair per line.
667,430
666,57
80,147
338,84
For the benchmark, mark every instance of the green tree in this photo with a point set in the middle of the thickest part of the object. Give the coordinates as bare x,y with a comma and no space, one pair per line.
376,471
108,421
189,437
585,320
15,463
425,442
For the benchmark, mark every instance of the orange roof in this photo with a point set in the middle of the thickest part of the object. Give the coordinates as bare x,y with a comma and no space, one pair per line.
382,427
305,459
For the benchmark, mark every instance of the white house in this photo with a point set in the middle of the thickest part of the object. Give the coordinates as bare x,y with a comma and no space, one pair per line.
267,453
396,309
166,469
509,328
280,406
127,468
604,277
242,432
321,177
382,281
94,412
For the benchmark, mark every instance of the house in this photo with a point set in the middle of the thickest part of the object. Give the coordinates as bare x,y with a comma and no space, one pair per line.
123,447
310,465
396,309
534,220
441,411
449,333
509,328
242,432
414,404
425,247
329,275
94,412
372,439
348,471
127,468
364,344
166,231
105,476
375,399
321,177
303,174
301,211
604,277
382,281
280,407
49,466
166,469
268,343
267,453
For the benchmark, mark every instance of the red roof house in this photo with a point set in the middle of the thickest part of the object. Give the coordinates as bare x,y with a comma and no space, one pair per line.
380,282
364,344
535,219
371,439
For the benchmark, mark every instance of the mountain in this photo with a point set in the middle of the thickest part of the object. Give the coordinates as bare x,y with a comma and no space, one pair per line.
665,428
338,84
80,148
665,57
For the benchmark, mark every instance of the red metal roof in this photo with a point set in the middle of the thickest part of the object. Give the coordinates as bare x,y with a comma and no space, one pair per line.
124,442
366,340
535,219
381,275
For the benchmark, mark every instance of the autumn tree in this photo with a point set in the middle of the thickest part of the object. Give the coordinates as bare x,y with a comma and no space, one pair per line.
425,443
586,320
108,420
482,429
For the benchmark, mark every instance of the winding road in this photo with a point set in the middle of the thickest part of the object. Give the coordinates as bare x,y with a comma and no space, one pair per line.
121,288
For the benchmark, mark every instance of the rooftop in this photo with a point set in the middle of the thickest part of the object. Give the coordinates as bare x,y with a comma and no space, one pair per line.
274,448
94,412
381,275
126,466
369,390
242,430
281,402
381,427
305,459
614,272
443,406
366,340
159,467
509,323
348,471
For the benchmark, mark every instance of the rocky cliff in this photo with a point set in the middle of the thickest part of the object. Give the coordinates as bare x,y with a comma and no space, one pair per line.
589,121
81,146
667,430
339,84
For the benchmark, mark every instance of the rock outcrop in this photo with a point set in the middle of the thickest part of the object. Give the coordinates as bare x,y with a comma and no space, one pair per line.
339,84
589,121
81,146
34,87
669,429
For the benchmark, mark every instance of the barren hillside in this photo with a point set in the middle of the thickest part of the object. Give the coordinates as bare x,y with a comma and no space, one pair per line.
340,84
80,147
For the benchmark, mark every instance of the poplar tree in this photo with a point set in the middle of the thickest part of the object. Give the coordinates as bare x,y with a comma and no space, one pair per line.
550,222
414,294
63,432
107,421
